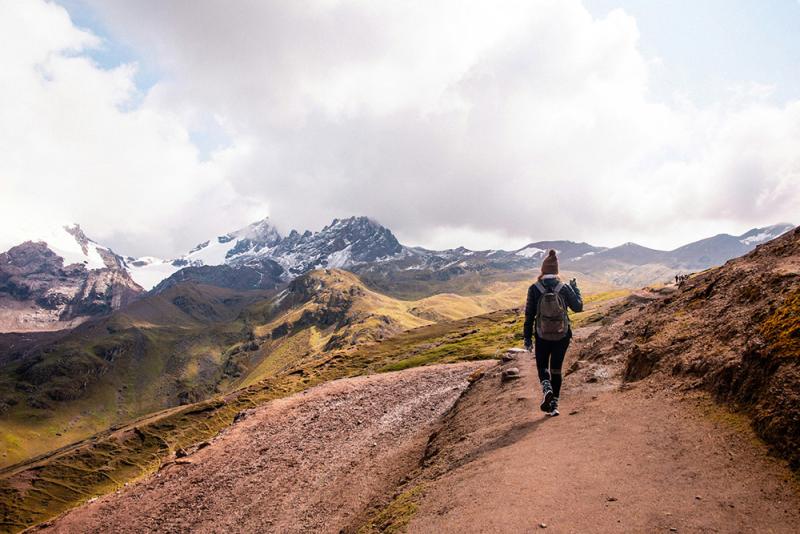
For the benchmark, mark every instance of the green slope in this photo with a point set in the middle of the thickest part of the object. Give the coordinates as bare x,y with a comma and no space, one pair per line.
162,351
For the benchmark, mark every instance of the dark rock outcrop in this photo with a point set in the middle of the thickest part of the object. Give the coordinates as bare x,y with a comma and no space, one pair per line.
39,292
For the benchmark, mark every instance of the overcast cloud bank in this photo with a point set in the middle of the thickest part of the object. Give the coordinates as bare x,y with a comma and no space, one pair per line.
450,122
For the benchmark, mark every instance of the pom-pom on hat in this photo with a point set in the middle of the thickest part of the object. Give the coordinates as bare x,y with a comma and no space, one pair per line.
550,263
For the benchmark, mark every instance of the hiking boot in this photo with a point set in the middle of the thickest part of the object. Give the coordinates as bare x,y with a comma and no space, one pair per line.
547,390
553,407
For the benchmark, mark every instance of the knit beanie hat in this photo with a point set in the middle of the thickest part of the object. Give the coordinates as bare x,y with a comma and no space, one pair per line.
550,263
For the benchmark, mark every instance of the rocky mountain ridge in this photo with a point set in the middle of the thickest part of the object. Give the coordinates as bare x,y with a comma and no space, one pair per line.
362,245
49,287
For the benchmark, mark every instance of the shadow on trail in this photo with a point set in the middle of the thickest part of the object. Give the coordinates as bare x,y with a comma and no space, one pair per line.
511,436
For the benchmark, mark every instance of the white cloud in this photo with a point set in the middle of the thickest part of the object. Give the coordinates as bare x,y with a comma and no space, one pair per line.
511,121
71,151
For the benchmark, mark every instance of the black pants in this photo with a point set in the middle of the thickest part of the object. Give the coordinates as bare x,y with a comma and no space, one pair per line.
549,359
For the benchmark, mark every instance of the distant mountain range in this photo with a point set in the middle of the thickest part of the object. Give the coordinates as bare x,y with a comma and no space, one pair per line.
58,280
258,256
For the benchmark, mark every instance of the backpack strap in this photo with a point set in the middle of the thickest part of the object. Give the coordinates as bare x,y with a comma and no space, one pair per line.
558,287
540,287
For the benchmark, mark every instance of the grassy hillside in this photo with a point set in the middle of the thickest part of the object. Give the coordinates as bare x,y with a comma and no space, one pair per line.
163,351
417,285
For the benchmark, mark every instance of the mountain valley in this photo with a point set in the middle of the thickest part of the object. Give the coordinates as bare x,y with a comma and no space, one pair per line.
118,395
663,384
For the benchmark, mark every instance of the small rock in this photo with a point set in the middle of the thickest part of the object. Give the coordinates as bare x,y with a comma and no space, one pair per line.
673,529
576,365
203,445
542,525
239,416
507,357
516,350
574,412
510,374
611,499
698,497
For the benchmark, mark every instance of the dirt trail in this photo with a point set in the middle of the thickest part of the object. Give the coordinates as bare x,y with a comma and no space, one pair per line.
308,463
637,460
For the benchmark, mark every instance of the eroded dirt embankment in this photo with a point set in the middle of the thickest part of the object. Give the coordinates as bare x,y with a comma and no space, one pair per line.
308,463
733,331
621,458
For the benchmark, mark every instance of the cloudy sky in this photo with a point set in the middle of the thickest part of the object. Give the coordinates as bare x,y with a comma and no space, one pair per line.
157,124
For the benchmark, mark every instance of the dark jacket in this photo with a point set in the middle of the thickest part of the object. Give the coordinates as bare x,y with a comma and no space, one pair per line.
572,296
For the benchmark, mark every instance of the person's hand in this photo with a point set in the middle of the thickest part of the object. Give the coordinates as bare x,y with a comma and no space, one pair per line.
573,283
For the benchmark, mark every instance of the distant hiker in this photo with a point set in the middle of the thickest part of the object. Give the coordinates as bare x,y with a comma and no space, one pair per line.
547,322
677,279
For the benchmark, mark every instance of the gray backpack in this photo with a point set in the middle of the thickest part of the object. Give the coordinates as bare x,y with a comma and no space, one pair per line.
552,322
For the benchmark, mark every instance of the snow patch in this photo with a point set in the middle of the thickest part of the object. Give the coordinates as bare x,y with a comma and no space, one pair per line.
529,252
339,259
592,253
212,254
756,239
149,275
66,245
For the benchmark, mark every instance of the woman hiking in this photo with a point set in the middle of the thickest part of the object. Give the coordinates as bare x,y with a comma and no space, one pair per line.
547,322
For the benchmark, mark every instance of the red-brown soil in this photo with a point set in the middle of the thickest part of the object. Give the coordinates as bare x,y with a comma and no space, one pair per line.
307,463
640,459
733,332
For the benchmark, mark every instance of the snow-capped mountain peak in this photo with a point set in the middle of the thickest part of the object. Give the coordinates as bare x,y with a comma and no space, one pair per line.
71,244
260,231
341,244
59,278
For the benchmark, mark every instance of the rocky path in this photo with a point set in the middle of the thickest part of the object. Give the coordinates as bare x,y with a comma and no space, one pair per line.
637,460
308,463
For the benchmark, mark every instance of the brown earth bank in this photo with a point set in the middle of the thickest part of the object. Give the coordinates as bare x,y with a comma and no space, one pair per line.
733,331
307,463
